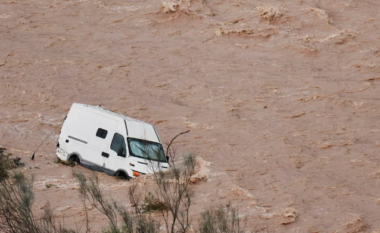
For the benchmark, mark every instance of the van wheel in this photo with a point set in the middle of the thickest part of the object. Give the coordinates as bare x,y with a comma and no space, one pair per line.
122,175
75,159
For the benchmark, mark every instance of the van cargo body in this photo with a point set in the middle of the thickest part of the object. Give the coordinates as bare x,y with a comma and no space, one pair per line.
110,142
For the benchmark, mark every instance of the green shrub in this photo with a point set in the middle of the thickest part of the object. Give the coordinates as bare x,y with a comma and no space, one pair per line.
220,220
5,164
152,204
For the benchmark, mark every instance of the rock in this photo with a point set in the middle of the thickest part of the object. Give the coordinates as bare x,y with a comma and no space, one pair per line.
18,162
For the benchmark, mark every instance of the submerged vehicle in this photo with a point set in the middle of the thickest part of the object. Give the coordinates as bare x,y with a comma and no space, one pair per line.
106,141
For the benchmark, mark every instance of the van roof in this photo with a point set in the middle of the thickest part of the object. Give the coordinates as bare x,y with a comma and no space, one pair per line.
134,125
109,113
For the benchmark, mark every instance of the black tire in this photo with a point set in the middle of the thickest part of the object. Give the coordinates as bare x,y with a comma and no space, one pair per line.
75,159
122,175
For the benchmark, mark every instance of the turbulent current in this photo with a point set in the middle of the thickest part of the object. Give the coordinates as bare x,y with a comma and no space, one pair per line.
281,99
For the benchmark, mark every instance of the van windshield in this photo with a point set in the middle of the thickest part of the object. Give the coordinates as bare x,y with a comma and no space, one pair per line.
146,149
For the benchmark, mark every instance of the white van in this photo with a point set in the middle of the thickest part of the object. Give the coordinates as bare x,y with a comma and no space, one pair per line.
110,142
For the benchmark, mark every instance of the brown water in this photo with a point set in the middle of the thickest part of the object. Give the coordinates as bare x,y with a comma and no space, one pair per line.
282,97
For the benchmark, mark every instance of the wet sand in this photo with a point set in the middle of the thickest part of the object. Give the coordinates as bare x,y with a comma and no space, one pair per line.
280,97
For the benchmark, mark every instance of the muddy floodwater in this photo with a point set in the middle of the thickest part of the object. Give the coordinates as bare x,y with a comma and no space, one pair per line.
282,99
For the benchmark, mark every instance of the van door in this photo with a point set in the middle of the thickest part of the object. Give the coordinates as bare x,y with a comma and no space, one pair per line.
117,155
101,138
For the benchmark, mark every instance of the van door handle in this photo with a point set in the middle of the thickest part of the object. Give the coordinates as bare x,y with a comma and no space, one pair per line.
105,154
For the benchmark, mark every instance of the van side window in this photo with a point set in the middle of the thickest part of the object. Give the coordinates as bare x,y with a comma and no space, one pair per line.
117,143
102,133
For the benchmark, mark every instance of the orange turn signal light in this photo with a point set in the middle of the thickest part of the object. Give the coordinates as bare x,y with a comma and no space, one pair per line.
136,173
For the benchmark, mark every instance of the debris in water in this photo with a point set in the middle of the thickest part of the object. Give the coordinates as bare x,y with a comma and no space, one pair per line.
50,186
296,116
10,163
67,163
290,215
269,13
264,33
355,226
243,46
372,79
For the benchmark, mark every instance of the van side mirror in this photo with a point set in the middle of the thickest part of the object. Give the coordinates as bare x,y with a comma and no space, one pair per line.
167,159
121,152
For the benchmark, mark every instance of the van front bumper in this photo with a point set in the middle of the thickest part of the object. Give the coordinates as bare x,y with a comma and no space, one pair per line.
62,155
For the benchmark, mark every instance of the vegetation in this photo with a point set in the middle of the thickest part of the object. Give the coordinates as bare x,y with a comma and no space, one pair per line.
16,200
5,164
152,204
221,220
171,199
